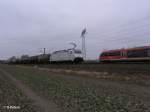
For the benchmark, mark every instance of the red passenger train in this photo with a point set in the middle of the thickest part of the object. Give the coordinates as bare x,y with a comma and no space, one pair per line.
130,54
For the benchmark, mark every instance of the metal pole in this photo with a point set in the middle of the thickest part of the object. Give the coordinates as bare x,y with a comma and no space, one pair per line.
44,50
83,47
83,43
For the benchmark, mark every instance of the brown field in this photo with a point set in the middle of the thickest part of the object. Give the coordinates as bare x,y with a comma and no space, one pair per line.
76,88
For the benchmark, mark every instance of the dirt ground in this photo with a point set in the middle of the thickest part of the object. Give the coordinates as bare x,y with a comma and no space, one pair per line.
12,98
131,73
71,92
110,68
42,104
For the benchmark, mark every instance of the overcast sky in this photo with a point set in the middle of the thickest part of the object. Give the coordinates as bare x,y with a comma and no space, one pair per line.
26,26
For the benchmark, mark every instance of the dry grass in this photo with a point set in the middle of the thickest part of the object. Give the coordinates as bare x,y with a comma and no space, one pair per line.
11,96
77,94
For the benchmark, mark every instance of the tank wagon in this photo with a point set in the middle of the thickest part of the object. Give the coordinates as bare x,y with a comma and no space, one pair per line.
69,55
43,58
38,59
135,54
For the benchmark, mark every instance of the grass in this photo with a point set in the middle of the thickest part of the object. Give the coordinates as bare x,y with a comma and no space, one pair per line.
11,96
111,68
76,94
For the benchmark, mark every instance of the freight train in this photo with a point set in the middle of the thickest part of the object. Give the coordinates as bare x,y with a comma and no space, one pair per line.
25,59
136,54
61,56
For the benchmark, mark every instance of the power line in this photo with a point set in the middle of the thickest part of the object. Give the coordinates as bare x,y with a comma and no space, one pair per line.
129,26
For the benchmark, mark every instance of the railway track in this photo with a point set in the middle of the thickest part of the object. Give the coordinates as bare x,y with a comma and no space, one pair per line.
132,73
129,62
133,68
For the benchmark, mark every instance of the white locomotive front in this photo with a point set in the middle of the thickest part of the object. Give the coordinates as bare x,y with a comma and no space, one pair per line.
69,55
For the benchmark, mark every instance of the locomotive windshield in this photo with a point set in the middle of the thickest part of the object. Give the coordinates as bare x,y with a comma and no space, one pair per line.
149,52
77,51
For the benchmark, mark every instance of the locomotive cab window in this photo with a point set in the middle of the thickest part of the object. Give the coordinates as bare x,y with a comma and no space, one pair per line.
137,53
114,54
77,51
111,54
70,52
104,54
148,52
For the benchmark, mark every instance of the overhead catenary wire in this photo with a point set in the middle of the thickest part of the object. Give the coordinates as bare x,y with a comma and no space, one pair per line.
122,27
127,34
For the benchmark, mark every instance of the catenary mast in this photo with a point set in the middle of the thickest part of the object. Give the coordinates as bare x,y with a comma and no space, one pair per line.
83,33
